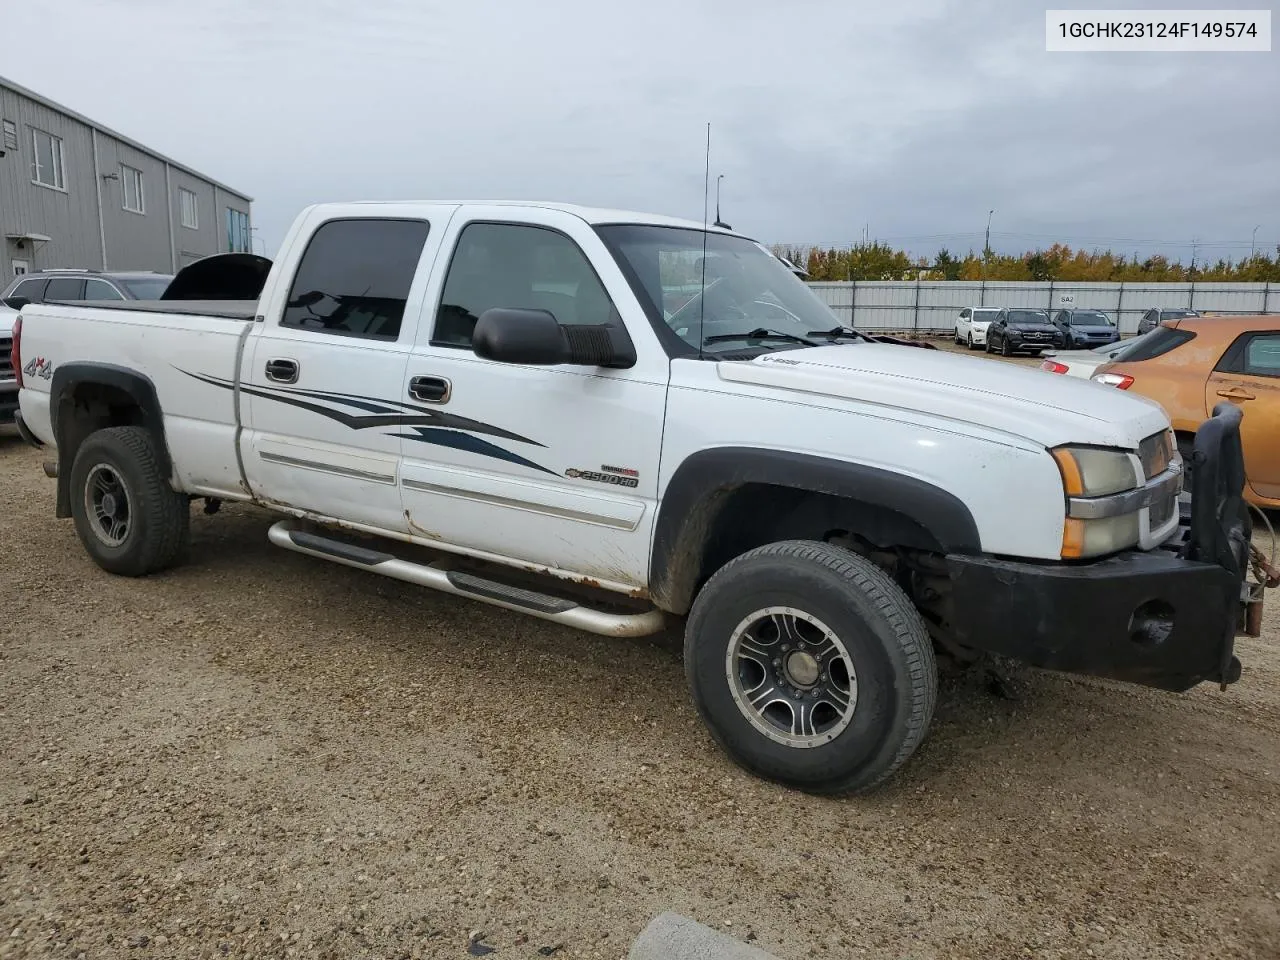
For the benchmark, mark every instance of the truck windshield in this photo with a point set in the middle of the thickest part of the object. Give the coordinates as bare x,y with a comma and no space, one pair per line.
747,289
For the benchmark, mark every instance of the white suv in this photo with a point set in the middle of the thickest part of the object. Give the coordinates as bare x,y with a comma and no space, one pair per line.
971,325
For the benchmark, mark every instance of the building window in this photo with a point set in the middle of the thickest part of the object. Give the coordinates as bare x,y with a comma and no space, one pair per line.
238,231
131,189
10,135
190,209
46,160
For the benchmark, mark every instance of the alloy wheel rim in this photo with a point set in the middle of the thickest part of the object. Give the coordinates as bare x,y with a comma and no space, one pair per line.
791,677
107,505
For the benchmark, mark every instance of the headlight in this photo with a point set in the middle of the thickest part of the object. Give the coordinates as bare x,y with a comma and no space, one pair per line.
1090,472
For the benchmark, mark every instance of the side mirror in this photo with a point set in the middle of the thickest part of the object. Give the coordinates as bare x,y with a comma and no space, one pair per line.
536,338
16,303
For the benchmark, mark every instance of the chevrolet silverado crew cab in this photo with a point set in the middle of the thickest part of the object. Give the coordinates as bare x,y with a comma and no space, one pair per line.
612,420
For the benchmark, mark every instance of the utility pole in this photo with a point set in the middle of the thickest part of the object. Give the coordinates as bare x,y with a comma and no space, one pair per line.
986,246
1253,244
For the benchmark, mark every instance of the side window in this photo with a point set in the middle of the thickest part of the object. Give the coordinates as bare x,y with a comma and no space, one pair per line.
524,267
964,314
65,288
100,290
32,289
354,278
1262,356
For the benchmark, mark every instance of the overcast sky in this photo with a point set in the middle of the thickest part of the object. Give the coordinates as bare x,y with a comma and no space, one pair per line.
827,115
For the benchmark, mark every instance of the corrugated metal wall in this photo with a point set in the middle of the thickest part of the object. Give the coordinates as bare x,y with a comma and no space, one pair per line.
152,240
932,305
69,217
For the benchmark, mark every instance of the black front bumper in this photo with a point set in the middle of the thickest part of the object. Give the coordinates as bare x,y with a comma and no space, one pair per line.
1151,618
1164,618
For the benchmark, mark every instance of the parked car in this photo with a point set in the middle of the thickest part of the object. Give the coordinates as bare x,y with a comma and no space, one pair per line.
1191,365
1158,315
45,285
1083,329
488,400
1083,363
971,325
8,380
1021,331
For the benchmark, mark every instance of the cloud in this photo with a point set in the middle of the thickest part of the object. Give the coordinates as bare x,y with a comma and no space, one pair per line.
917,118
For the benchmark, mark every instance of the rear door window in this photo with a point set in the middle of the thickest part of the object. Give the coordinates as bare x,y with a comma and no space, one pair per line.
1262,356
65,288
353,279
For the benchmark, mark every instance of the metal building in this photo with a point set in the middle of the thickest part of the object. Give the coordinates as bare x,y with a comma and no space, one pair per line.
74,193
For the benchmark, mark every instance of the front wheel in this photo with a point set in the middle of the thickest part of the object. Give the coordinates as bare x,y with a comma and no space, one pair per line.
969,343
1005,350
811,667
129,519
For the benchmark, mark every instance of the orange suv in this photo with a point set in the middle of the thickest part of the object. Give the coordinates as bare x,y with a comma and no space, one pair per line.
1192,364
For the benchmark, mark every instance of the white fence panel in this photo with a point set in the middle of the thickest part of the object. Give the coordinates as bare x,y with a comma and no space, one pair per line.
933,305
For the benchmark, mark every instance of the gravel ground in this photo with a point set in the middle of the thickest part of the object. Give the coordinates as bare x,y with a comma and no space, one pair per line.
263,755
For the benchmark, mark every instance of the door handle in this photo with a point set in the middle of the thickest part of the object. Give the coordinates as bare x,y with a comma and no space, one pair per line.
430,389
1236,393
282,370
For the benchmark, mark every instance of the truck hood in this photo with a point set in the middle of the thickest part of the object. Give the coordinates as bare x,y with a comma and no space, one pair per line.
1014,400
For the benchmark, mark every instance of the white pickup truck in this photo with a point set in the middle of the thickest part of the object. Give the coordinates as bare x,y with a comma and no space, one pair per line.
610,420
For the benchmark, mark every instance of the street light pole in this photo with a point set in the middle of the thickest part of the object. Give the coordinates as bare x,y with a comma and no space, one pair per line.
1253,244
986,246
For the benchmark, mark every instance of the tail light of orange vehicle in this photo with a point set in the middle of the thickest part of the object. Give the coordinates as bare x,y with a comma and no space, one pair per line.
1052,366
15,351
1121,381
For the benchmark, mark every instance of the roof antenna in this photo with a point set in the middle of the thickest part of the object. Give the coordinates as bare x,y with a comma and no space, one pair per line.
706,203
719,222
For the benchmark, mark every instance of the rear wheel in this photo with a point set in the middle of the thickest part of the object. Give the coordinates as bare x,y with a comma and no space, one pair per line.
129,519
988,347
811,667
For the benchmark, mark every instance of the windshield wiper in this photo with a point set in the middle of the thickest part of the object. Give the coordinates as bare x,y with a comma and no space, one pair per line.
840,333
760,333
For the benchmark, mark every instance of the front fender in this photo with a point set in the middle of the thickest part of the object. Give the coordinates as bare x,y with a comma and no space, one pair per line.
704,481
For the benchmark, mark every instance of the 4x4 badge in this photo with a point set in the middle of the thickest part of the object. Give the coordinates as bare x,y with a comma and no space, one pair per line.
39,367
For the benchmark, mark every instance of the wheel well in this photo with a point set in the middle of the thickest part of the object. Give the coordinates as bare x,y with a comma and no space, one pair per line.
741,518
82,409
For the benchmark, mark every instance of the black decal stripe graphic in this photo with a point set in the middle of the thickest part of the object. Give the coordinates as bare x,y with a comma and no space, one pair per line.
464,441
386,417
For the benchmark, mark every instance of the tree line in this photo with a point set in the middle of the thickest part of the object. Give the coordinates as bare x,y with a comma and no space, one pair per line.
878,261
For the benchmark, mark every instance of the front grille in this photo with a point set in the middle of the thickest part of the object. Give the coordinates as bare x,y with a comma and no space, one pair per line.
1156,452
6,368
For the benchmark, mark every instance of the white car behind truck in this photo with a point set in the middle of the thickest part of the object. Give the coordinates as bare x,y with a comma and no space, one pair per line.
497,401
